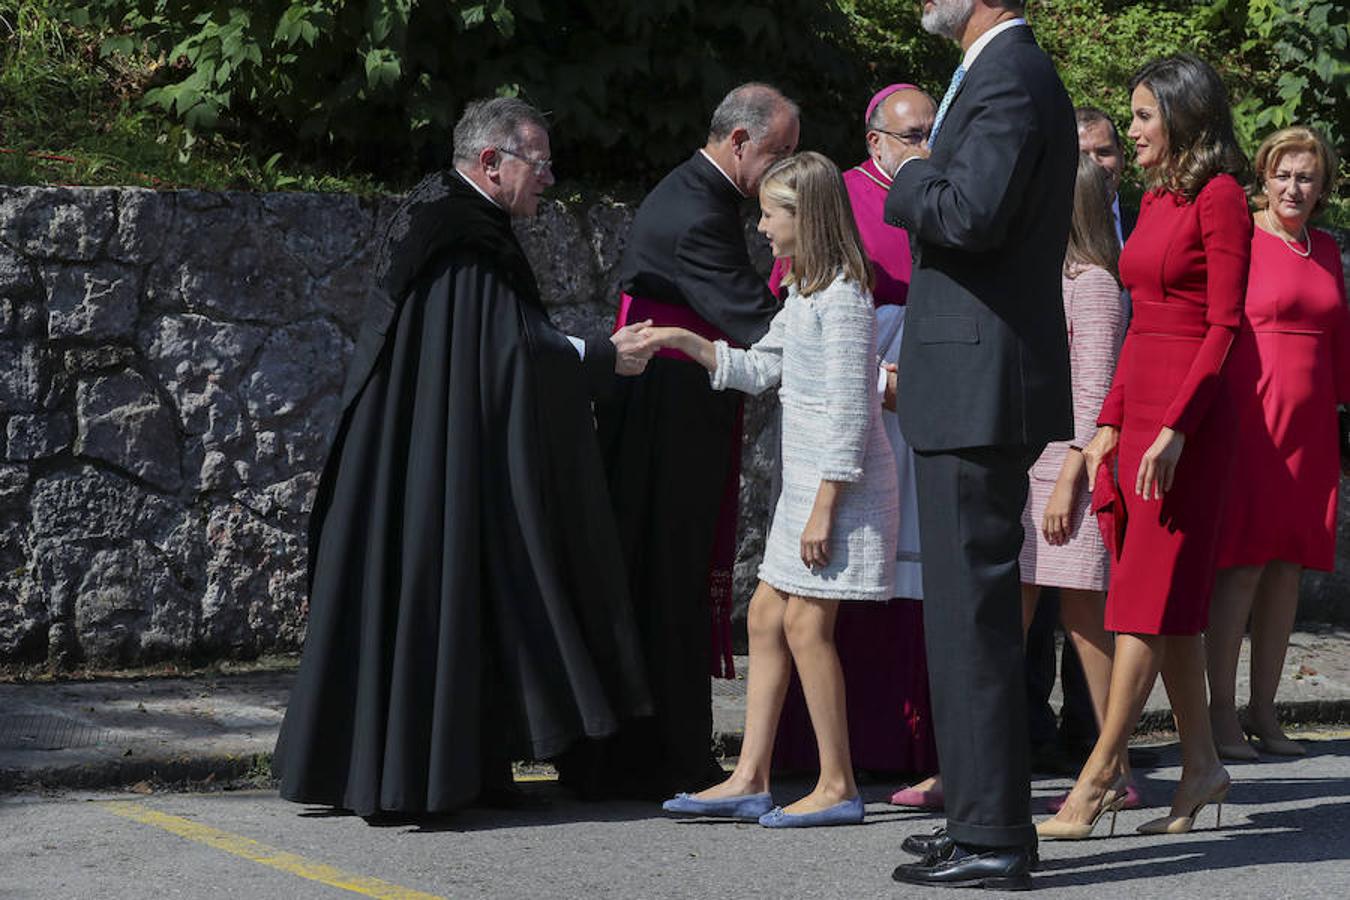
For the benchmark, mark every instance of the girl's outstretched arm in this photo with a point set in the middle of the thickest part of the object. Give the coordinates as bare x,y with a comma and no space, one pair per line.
697,348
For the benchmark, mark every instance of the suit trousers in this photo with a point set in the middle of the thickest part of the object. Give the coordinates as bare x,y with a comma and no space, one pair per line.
970,527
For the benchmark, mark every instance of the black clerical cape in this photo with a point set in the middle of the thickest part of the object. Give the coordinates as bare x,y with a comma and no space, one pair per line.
468,601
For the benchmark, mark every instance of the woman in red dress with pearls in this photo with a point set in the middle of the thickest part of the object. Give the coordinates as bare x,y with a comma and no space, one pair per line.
1185,266
1290,367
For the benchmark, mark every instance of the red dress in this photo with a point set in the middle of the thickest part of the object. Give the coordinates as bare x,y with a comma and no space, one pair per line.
1185,266
1290,367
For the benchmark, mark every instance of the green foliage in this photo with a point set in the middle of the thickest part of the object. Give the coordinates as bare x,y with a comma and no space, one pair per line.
71,113
1284,61
349,95
1097,45
1298,52
630,86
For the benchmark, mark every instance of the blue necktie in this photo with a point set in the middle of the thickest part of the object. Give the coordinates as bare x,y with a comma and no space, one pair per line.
957,77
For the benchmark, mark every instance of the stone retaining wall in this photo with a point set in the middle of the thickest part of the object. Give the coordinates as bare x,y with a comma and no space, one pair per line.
169,373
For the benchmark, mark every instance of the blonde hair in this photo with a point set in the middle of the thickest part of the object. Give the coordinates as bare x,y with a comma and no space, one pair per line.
809,186
1092,230
1295,139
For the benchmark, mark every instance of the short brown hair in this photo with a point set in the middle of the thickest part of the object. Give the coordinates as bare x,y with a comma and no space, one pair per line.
1295,139
810,187
1090,115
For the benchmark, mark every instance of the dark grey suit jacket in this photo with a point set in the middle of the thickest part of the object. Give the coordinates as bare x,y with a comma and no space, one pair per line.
985,357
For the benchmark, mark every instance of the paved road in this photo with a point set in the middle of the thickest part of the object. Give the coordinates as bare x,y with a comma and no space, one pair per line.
1286,834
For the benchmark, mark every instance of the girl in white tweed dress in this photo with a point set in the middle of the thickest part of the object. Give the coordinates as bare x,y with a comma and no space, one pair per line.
833,535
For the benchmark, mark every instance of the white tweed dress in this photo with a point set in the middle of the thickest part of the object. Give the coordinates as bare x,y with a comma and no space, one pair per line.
821,351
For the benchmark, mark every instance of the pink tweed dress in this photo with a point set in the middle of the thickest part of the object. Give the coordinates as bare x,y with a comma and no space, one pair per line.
1095,315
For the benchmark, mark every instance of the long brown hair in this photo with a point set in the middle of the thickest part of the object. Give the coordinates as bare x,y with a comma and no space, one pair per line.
1193,105
810,187
1092,230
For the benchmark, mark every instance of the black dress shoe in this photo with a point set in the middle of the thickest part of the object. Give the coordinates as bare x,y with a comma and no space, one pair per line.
924,845
1000,869
939,846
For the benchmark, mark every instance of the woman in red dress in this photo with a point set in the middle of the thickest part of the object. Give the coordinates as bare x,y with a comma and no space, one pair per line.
1185,266
1289,369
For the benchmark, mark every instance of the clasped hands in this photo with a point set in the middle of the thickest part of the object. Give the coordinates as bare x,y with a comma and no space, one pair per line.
632,351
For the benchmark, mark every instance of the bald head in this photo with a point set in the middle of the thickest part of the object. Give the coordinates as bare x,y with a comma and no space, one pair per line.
903,119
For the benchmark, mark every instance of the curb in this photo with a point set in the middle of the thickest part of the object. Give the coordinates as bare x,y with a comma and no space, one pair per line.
224,768
122,774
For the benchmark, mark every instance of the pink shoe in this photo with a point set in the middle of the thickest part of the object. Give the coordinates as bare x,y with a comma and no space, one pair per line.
917,799
1132,800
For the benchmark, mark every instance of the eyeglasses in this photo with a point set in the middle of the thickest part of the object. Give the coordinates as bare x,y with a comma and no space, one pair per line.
540,166
913,138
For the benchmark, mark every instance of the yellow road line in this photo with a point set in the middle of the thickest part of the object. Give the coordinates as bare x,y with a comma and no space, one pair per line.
1319,734
252,850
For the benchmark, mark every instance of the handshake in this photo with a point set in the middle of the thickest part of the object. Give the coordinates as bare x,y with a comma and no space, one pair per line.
635,344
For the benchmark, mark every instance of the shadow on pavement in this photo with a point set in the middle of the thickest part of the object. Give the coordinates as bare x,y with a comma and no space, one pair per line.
1265,837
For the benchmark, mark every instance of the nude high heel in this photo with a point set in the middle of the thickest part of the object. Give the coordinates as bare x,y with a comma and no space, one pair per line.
1183,824
1112,801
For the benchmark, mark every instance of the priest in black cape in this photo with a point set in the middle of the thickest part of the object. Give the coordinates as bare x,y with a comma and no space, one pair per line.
671,443
468,606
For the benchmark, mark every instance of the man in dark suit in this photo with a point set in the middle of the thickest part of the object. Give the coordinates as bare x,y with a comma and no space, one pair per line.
983,386
672,443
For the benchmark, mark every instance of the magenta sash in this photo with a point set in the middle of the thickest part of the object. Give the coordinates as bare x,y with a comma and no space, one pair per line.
639,309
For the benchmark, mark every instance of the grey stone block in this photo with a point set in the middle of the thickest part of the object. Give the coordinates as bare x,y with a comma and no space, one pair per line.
121,420
37,436
13,484
84,504
255,584
144,218
57,223
96,302
16,276
24,379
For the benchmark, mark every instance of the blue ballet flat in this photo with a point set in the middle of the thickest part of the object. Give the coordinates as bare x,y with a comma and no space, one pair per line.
850,812
749,807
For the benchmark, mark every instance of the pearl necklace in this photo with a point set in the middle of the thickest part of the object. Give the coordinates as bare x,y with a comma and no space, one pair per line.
1293,246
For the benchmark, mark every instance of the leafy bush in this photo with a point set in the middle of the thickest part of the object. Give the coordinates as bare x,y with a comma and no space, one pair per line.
327,93
71,115
1284,61
630,85
1298,55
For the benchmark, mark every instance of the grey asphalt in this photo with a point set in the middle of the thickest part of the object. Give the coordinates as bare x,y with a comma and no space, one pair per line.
1286,833
171,742
115,732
